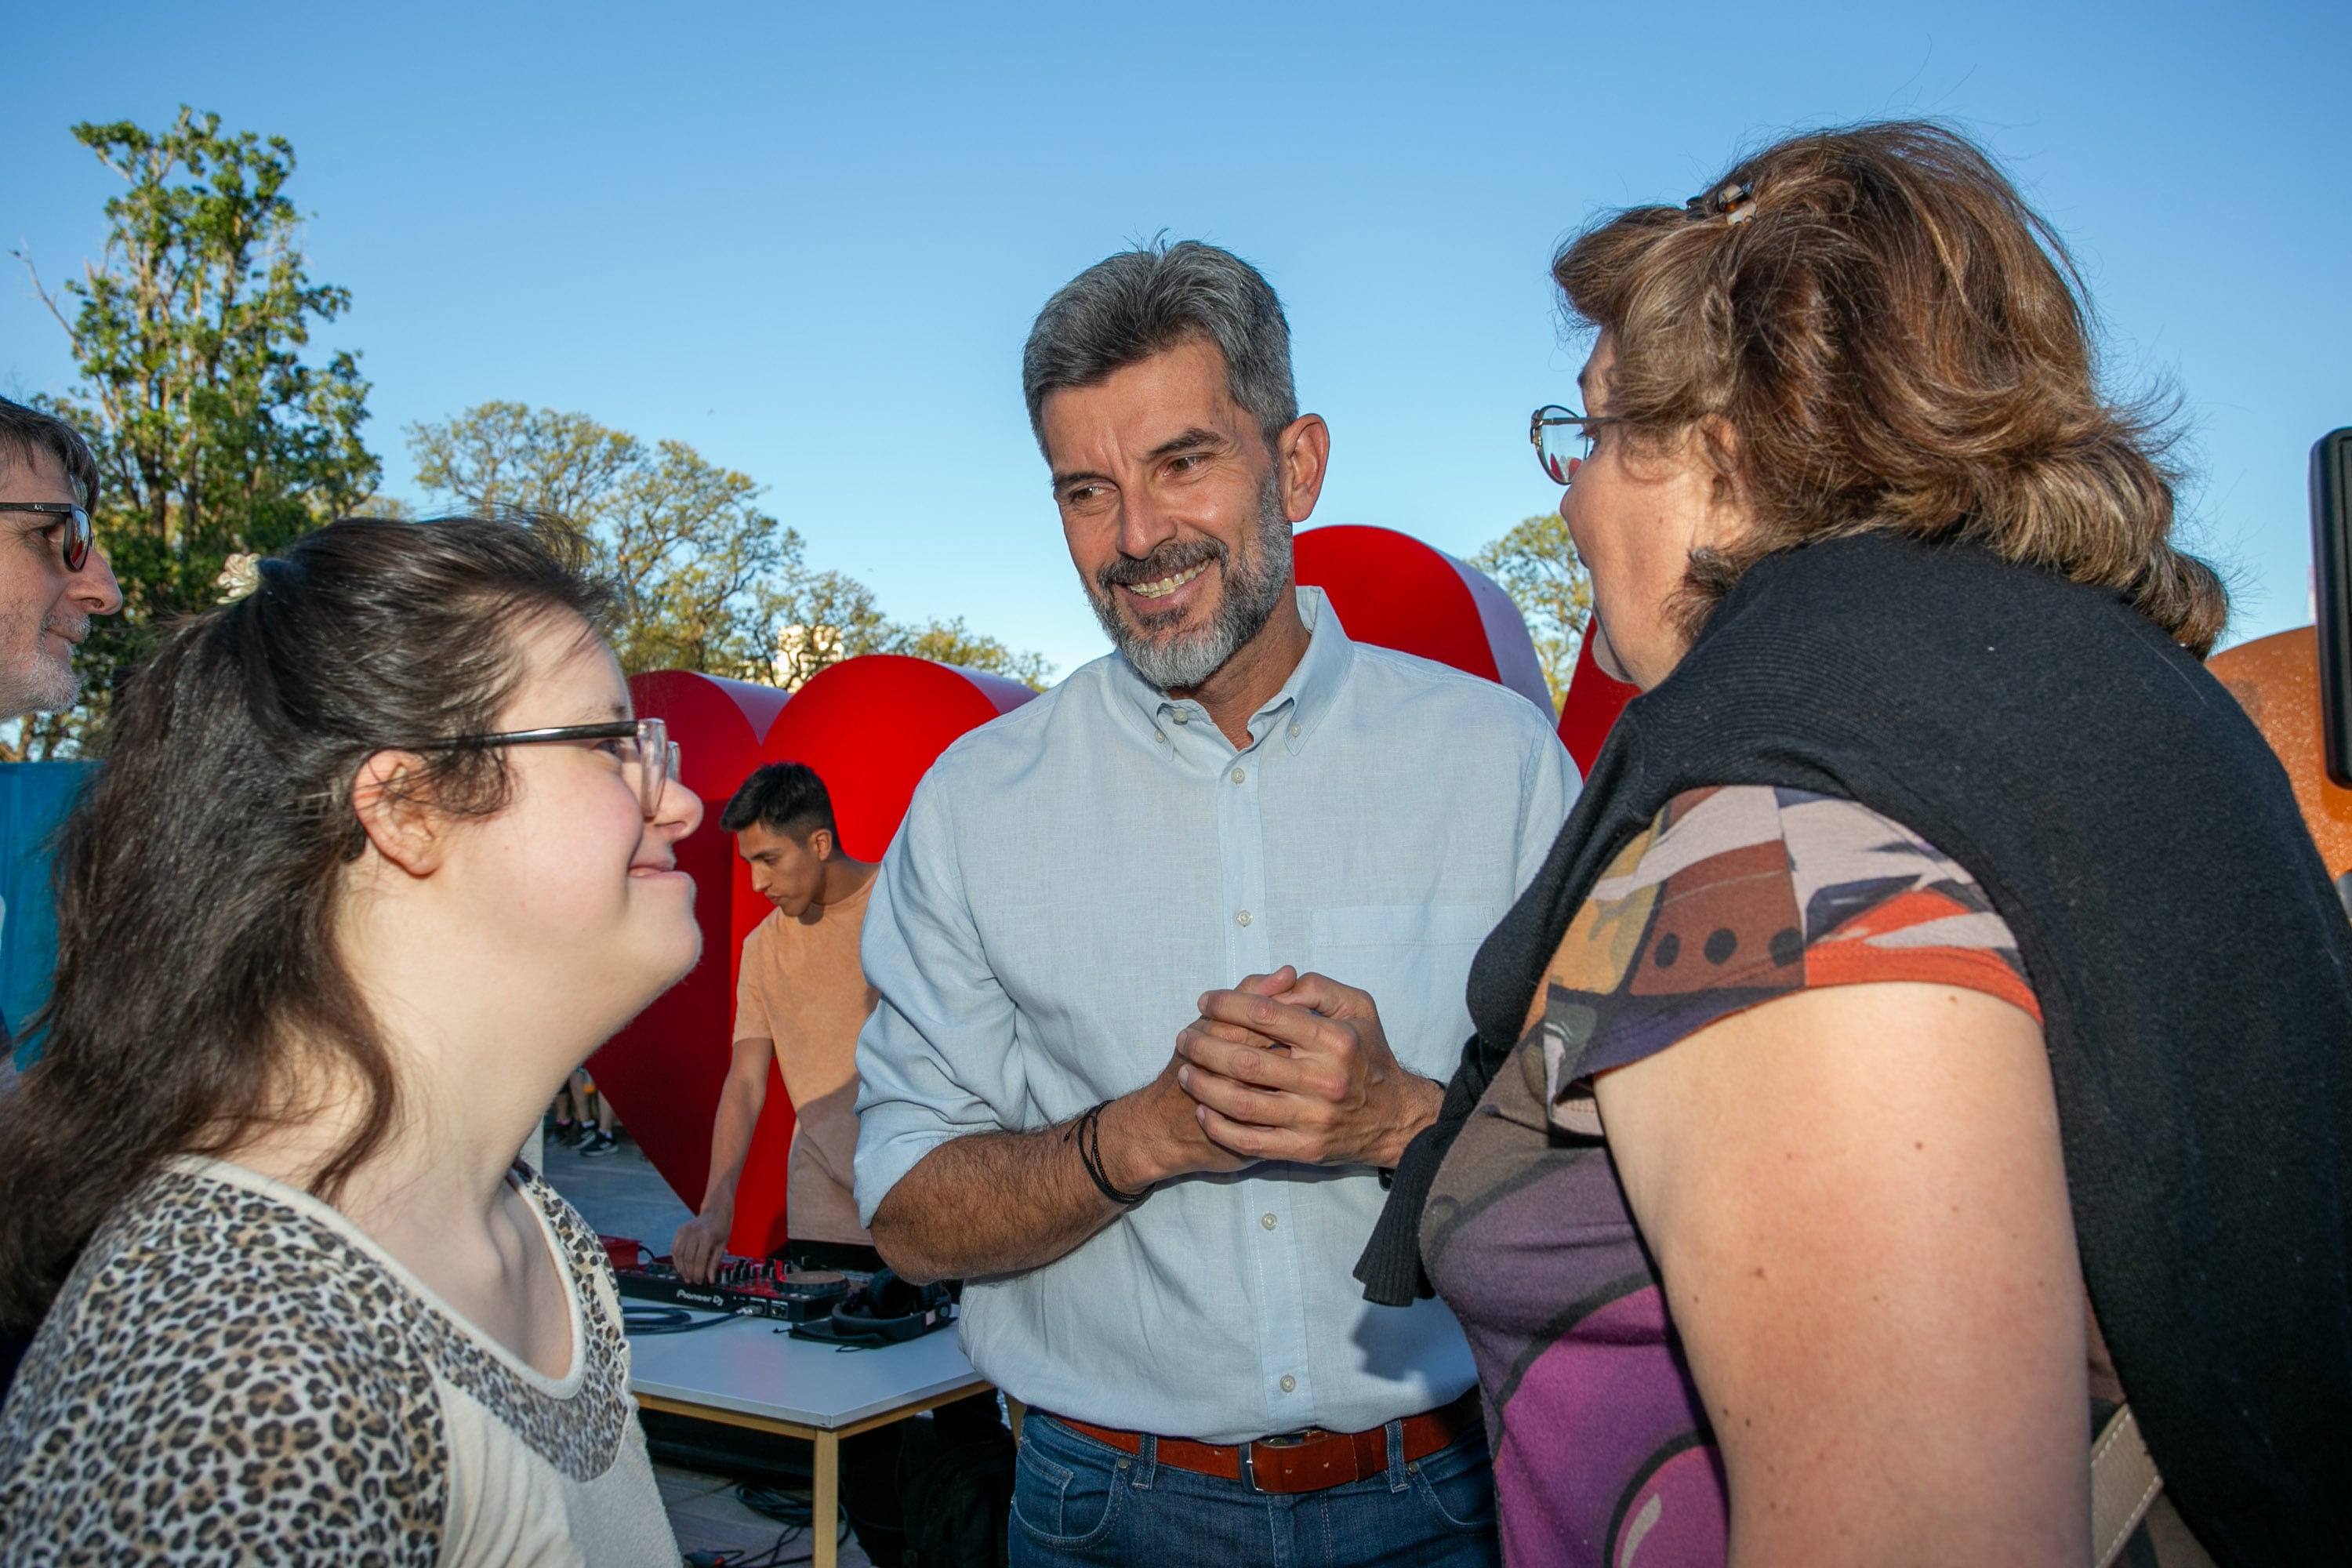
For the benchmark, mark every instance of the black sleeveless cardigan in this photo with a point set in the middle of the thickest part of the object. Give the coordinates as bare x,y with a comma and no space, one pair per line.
2192,962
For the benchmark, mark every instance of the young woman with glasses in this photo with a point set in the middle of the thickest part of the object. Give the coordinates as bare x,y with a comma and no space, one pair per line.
378,855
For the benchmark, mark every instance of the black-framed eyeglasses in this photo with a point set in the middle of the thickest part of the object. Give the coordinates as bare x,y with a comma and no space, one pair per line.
74,520
1563,440
648,746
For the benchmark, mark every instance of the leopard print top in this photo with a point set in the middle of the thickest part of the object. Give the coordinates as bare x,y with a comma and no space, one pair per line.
234,1373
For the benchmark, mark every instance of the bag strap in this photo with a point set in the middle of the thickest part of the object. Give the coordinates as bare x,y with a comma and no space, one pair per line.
2124,1483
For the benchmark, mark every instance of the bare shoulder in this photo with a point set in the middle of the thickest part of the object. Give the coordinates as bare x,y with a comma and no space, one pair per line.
1857,1203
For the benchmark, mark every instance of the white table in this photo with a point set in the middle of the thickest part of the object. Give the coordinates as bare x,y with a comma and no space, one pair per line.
745,1374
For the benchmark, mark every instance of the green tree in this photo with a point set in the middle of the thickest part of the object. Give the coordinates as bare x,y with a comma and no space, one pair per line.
951,642
1536,564
714,583
215,438
683,537
822,618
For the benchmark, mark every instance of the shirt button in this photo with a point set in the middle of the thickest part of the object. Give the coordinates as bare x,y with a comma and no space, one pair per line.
1159,734
1239,776
1182,717
1269,1221
1294,731
1242,919
1289,1383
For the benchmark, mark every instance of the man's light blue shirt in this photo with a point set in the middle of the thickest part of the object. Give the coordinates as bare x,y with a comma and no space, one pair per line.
1070,878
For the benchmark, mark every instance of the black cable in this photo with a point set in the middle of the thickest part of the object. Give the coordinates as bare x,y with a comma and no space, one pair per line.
772,1557
773,1502
792,1508
639,1320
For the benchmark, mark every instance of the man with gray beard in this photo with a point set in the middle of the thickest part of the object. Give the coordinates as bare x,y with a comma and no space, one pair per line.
52,577
52,580
1171,961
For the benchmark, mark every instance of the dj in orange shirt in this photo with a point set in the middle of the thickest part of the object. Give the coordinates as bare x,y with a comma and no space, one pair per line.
801,1001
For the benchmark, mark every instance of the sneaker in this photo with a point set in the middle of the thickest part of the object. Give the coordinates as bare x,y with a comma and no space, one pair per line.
568,1134
598,1143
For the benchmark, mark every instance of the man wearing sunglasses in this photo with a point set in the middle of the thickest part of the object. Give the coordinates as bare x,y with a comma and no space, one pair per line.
53,579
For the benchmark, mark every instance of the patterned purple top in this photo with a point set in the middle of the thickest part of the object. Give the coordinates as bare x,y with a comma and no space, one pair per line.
1732,897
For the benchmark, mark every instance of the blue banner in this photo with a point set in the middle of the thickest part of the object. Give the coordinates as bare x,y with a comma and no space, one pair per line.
34,799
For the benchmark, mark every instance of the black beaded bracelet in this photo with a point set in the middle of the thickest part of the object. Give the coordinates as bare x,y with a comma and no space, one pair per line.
1090,1136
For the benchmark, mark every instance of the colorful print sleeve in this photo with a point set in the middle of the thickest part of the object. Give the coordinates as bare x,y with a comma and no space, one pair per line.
1602,1453
1736,895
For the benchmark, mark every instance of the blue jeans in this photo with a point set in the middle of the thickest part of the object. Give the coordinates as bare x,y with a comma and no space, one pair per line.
1075,1500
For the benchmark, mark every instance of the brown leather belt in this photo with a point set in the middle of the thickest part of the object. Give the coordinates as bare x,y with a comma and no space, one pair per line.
1305,1461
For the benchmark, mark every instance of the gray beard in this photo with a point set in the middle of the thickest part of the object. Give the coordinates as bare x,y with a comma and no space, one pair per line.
48,686
1254,584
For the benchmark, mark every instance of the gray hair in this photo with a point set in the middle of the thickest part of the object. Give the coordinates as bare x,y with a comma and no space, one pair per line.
1128,307
27,431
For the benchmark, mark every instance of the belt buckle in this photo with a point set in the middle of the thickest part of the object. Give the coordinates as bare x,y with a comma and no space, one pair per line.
1279,1440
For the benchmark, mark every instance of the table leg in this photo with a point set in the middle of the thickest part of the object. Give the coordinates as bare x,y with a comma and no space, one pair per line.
824,1510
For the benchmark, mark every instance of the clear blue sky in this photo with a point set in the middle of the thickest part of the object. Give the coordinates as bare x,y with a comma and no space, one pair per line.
810,242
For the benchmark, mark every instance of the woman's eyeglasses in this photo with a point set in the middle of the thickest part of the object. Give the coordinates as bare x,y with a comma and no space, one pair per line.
645,745
1563,440
74,545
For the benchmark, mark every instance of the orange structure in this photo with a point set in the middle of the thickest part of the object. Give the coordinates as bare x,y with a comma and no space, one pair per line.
2276,680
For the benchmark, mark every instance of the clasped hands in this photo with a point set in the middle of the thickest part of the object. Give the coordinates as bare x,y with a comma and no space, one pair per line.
1282,1066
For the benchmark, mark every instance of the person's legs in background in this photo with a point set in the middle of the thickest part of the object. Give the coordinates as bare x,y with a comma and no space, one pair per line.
600,1140
571,1114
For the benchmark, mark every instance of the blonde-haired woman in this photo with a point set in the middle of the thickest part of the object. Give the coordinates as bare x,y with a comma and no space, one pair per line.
1929,1032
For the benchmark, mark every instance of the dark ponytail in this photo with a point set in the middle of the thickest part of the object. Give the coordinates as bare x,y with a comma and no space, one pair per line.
199,878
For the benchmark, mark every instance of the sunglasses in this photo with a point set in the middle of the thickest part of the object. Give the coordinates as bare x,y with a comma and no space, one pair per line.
75,545
647,746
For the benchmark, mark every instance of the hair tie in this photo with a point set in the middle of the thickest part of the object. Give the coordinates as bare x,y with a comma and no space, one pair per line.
1733,202
239,575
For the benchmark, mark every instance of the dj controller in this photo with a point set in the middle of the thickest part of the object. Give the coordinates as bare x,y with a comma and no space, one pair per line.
748,1287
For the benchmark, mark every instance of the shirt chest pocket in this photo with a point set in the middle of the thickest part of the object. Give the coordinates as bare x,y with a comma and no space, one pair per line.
1415,960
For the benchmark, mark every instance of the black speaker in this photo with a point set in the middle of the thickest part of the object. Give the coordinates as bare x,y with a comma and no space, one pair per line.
2331,556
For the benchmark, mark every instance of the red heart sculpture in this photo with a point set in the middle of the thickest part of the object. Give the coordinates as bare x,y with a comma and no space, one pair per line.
664,1071
1595,697
1392,589
870,727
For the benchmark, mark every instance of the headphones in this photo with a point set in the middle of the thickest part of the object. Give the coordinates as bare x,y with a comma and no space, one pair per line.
885,1310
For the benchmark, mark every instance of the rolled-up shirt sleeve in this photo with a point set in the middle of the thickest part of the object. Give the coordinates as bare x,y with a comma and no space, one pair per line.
936,1058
